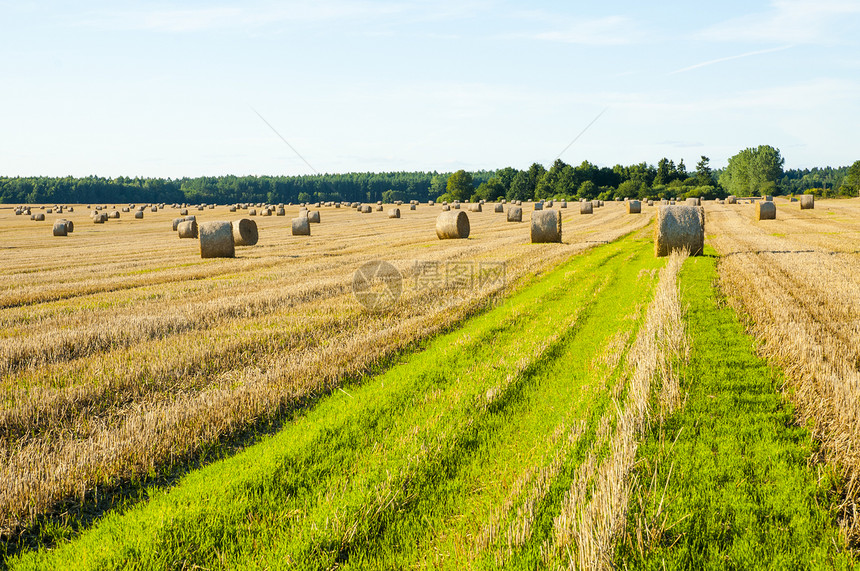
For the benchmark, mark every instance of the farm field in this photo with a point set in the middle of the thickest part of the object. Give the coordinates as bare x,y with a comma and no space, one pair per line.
493,422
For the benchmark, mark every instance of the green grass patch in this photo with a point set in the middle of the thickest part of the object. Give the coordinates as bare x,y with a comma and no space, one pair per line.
733,463
413,459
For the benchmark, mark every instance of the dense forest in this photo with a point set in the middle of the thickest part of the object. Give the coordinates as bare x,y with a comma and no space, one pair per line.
752,171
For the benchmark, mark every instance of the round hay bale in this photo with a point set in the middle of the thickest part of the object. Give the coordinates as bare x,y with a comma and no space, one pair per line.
232,209
337,205
38,217
265,212
693,202
394,213
549,203
586,207
114,214
765,210
101,219
767,198
807,202
154,209
183,212
125,209
301,226
60,228
281,212
176,222
499,207
366,209
515,214
314,217
446,208
538,205
252,212
187,229
731,199
379,208
138,214
679,227
452,225
216,240
563,204
245,232
49,211
412,206
456,206
546,226
634,207
475,207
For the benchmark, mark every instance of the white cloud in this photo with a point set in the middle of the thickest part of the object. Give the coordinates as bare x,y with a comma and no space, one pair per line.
790,21
728,58
607,31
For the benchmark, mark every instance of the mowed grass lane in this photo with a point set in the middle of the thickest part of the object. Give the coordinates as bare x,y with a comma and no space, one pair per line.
730,482
418,460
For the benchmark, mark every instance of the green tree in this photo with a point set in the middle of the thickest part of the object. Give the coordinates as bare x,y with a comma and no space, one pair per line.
519,189
460,185
587,190
704,175
851,182
753,171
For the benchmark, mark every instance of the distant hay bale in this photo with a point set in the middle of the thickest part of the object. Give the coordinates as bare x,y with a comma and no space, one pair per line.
538,205
549,203
183,212
281,211
693,202
101,218
232,209
379,207
499,207
245,232
138,214
765,210
767,198
314,217
650,203
177,222
519,202
586,207
546,226
114,214
364,209
807,202
252,212
412,206
216,240
446,208
452,225
731,199
187,229
456,206
475,207
49,211
679,227
394,213
634,207
154,209
515,214
563,204
301,226
38,217
60,228
124,209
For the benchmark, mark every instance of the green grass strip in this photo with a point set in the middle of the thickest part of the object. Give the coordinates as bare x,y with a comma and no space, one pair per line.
342,472
739,494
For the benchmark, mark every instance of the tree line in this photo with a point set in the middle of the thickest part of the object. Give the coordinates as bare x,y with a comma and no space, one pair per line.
753,171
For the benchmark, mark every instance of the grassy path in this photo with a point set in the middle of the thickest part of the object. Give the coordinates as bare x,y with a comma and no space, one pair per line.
730,486
460,454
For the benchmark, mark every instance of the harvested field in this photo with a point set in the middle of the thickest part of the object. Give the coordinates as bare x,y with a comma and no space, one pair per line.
118,362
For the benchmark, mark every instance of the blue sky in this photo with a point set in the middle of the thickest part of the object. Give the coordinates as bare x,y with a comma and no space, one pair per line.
173,89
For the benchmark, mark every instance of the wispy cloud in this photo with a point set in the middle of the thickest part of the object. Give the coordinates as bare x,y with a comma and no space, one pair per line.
606,31
790,21
729,58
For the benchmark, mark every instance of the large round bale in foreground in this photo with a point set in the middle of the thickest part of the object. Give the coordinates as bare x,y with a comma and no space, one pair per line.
60,228
245,232
807,202
679,227
187,229
314,217
515,213
394,213
216,240
634,207
546,226
452,225
765,210
301,226
586,207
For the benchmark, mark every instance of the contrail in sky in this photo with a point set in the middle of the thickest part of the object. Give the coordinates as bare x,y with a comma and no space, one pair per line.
729,58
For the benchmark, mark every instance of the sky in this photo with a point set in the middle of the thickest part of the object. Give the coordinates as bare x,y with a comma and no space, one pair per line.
169,89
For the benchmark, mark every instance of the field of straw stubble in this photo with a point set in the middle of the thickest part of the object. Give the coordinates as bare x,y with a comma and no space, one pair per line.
122,352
